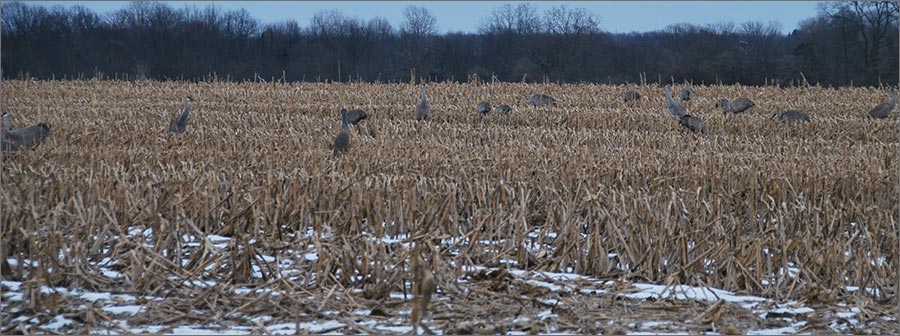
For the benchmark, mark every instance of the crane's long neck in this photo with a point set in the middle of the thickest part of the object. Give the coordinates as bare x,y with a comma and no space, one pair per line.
344,125
186,112
6,131
424,98
893,100
669,94
6,123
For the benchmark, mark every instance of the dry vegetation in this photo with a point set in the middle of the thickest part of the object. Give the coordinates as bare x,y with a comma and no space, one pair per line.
590,186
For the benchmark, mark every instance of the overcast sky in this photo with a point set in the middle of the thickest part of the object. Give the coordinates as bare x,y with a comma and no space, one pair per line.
615,16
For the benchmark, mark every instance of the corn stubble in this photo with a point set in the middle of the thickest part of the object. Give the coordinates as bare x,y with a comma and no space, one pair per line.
626,190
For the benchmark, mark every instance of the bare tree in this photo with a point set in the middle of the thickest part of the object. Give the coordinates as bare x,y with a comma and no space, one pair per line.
871,22
723,28
418,21
333,23
571,21
522,19
758,30
380,28
239,24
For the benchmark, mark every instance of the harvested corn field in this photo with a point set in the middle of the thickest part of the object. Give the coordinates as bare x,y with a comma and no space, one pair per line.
586,216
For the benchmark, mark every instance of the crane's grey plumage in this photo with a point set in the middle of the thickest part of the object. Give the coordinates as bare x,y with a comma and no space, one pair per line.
540,99
342,140
631,96
504,108
355,116
693,123
179,124
26,137
422,111
737,106
483,108
675,107
791,115
686,94
884,110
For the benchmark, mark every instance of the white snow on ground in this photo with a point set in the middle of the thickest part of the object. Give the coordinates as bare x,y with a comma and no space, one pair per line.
682,292
57,323
789,330
122,306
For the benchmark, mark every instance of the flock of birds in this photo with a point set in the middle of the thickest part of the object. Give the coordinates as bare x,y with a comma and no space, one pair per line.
694,124
13,140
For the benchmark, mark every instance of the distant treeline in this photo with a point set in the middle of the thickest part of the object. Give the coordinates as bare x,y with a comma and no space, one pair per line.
846,43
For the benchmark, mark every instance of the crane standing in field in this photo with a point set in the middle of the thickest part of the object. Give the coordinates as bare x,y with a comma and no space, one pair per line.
791,115
483,108
737,106
884,110
355,116
679,112
539,99
504,108
179,124
342,140
423,111
631,96
26,137
675,108
693,123
685,94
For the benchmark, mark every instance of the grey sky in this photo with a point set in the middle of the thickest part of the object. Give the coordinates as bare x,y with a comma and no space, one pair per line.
615,16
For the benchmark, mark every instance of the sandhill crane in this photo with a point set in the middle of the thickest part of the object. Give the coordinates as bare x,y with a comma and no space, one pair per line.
675,107
884,110
422,111
679,112
791,115
631,96
355,116
483,108
26,137
693,123
685,94
504,108
539,99
342,140
179,124
737,106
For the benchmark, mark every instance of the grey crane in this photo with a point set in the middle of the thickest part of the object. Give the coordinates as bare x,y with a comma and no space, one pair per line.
686,94
539,99
483,108
679,112
179,124
693,123
737,106
675,108
422,111
884,110
342,140
791,115
504,108
631,96
355,116
26,137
